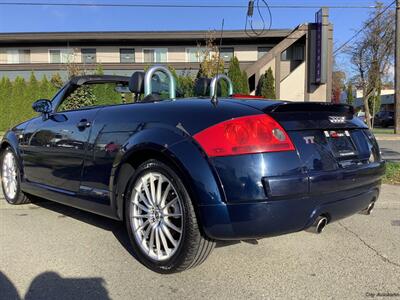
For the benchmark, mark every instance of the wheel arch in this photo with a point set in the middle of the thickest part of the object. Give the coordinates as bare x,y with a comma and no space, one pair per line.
130,163
183,156
10,140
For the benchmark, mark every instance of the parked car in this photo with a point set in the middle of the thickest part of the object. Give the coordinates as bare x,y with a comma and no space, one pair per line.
361,116
185,173
384,118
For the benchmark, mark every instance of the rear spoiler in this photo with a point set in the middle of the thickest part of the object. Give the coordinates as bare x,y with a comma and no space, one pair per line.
311,107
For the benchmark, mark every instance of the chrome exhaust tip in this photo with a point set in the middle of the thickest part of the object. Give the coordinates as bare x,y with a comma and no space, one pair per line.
318,225
369,209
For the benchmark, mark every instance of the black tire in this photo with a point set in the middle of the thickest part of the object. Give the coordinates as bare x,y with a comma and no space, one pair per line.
194,246
20,197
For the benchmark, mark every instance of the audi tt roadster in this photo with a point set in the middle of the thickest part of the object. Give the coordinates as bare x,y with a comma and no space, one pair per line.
183,173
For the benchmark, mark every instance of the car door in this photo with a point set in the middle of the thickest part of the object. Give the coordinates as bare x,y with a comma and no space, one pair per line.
54,148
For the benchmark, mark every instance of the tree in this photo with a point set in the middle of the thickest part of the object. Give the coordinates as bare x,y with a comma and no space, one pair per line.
18,97
236,76
349,92
212,64
56,81
260,84
246,87
372,55
185,84
267,87
6,104
83,95
47,90
33,91
338,85
99,70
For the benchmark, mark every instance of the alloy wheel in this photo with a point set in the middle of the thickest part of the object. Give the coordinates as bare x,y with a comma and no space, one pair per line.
156,216
9,175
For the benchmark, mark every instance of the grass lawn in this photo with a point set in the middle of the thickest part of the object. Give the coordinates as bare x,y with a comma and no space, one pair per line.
383,130
392,175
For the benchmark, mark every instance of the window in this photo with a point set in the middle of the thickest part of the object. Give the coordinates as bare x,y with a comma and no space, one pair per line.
227,53
19,56
262,51
127,55
88,55
295,52
158,55
96,94
195,54
61,56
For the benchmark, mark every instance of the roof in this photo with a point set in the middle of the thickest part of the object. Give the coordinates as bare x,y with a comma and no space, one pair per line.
142,36
385,99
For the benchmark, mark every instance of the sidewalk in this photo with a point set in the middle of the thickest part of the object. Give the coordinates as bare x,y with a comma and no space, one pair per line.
387,137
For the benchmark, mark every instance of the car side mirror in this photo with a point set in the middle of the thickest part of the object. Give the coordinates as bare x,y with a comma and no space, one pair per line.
42,106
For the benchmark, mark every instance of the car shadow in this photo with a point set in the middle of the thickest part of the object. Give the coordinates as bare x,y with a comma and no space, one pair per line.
390,155
117,228
50,285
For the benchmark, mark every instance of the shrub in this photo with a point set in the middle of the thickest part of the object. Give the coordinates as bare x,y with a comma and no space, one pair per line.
238,78
266,85
16,97
246,87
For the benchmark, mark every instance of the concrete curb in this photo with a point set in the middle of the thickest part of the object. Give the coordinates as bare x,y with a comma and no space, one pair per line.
387,137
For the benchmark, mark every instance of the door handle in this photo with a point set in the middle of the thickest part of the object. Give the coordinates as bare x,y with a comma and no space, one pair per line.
83,124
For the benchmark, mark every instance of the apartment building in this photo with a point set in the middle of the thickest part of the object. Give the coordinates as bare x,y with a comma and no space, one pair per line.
294,55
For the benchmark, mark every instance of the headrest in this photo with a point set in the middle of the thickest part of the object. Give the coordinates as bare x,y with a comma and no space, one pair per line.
136,83
202,87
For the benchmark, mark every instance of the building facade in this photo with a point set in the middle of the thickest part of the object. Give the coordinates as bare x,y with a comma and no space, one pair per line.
289,53
386,100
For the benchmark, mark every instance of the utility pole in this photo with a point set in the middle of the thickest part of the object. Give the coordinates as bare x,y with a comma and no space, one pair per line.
397,72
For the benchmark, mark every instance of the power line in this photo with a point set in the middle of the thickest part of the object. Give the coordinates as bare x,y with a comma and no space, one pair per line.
158,5
249,17
362,29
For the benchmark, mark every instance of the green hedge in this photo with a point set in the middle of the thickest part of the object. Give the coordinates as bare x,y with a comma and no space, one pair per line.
16,98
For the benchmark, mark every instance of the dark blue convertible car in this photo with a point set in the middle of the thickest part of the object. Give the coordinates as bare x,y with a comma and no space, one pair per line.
184,173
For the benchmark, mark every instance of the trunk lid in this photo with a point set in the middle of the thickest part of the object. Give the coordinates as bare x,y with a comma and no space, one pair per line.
307,115
335,147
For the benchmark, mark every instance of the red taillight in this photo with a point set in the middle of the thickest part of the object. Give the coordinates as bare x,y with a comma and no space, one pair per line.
244,135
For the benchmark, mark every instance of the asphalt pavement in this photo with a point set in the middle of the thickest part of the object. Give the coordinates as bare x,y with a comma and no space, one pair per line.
50,251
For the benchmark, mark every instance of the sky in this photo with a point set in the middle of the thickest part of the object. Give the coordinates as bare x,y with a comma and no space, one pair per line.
61,18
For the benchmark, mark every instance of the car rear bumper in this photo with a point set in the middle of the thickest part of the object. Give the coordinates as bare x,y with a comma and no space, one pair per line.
271,218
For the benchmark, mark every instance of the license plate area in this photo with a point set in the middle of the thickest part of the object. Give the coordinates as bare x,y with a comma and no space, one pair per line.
341,144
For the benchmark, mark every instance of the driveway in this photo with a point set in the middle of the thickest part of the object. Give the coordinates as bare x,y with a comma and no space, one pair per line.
50,251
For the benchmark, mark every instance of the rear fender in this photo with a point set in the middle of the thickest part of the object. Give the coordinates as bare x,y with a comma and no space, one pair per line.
174,147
